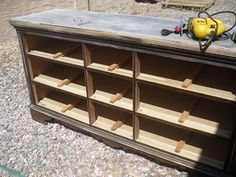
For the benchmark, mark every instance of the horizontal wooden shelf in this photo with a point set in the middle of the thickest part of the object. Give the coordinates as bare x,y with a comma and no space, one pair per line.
110,60
55,49
107,119
56,102
104,68
62,59
59,76
217,93
53,82
199,79
202,115
210,151
105,97
192,122
106,124
111,90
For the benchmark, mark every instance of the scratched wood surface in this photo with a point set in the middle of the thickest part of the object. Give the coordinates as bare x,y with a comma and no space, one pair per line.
137,29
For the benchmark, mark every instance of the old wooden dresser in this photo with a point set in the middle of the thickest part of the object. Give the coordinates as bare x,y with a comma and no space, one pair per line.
116,78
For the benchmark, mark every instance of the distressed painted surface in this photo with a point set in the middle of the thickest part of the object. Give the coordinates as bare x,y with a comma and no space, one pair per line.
144,30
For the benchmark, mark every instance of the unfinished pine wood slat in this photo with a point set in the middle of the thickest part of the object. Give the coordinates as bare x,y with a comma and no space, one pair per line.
69,80
190,152
187,82
67,107
193,122
183,3
186,113
71,105
199,89
179,146
184,116
53,82
65,59
105,97
57,106
119,64
118,96
66,51
118,124
118,71
106,124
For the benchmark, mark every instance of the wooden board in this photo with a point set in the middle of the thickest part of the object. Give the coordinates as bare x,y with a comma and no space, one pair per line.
104,68
106,124
53,82
205,116
217,93
105,97
55,74
132,29
172,73
197,148
193,4
49,56
54,105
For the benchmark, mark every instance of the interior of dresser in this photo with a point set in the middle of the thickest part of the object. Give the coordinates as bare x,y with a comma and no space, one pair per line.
194,77
59,76
55,49
110,60
187,125
197,147
112,90
113,120
71,106
187,111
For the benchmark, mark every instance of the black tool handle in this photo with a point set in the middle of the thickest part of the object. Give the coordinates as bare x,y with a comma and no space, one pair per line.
166,32
204,47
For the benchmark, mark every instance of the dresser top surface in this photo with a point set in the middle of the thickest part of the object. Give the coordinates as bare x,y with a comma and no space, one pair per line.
134,29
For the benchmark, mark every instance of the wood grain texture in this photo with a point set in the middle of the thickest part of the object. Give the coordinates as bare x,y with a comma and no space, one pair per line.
133,29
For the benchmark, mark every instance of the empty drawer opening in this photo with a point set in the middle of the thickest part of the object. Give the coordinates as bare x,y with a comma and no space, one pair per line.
113,120
62,103
53,48
59,76
187,111
192,77
180,142
111,60
114,91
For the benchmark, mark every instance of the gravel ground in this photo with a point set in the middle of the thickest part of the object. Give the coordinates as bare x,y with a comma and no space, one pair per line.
52,150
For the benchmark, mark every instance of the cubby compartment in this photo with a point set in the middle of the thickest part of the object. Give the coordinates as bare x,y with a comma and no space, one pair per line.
187,111
196,147
111,60
58,76
194,78
71,106
53,49
111,90
113,120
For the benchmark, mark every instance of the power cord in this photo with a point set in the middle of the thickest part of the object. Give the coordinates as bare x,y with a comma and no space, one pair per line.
213,36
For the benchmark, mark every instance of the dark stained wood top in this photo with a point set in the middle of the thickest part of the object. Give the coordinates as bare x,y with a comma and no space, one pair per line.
138,29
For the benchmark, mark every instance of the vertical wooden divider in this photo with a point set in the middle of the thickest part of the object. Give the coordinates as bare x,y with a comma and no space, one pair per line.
136,93
24,47
86,55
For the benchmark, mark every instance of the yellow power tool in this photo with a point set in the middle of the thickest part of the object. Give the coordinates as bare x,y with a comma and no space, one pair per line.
207,29
204,27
